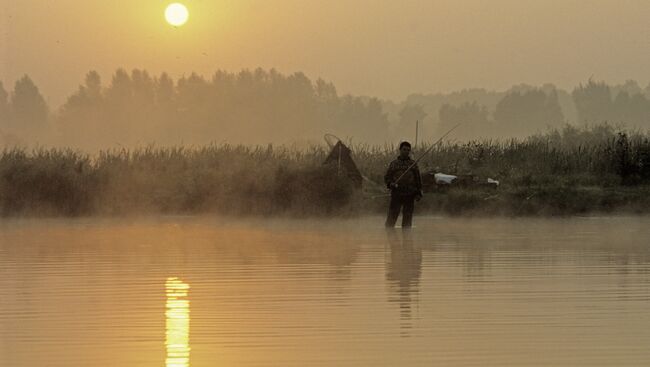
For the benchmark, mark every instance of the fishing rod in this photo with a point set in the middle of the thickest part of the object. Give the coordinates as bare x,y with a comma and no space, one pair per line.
425,153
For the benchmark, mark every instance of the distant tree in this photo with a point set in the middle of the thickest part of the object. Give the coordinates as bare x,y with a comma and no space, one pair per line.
166,111
197,122
431,103
4,115
4,107
327,102
472,117
565,100
408,116
164,90
93,85
626,103
632,110
119,94
411,113
631,87
519,114
120,111
29,111
593,102
247,107
299,106
370,123
551,113
81,119
325,91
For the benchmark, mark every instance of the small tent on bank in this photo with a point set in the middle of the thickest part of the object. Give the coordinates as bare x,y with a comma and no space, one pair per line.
341,157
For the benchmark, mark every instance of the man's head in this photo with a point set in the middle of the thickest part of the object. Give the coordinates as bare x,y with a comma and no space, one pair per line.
404,149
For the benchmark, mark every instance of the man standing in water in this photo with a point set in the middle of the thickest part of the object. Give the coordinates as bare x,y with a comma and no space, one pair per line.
403,180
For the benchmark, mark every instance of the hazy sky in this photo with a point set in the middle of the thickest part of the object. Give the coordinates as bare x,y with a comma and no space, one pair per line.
380,48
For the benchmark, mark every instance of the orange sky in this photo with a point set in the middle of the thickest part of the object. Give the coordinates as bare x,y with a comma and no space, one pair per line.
381,48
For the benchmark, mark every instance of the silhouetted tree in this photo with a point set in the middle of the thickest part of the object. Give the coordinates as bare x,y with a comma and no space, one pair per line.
81,118
472,117
565,100
29,111
4,116
166,110
626,103
633,110
593,102
4,107
262,106
325,91
408,116
631,87
362,119
519,114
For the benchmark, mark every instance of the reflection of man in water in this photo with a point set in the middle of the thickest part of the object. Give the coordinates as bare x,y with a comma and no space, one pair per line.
403,270
403,180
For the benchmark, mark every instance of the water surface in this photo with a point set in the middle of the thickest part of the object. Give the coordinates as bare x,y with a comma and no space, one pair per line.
187,291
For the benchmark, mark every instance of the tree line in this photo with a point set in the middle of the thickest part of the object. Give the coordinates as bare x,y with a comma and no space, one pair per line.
265,106
135,109
524,110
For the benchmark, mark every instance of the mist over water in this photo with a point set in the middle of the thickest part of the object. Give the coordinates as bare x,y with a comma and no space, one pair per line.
490,292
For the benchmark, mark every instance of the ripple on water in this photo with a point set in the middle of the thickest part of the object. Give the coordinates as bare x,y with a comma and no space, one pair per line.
488,292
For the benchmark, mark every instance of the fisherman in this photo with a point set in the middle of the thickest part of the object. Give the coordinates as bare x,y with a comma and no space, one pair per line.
403,180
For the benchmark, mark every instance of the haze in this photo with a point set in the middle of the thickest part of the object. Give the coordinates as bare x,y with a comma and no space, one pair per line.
364,47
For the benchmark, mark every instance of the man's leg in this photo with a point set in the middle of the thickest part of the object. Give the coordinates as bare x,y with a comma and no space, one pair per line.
393,210
407,212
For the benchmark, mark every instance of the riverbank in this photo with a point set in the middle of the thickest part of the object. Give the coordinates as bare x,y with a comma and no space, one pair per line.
572,171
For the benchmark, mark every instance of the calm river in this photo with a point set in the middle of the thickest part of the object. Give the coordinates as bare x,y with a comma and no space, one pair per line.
188,291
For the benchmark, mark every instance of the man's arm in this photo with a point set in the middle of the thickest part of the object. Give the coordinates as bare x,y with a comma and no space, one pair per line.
418,178
388,177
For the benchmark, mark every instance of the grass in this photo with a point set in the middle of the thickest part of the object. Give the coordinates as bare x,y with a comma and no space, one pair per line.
561,172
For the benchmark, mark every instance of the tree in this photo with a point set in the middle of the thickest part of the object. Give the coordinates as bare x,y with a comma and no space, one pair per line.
93,85
593,102
633,110
28,109
81,119
246,107
4,107
166,110
408,116
522,113
597,102
163,90
472,117
631,87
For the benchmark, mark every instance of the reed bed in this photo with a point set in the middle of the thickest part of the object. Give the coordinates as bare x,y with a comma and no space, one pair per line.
561,172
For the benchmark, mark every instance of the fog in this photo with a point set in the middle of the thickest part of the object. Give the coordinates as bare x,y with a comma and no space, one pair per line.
134,108
103,74
365,47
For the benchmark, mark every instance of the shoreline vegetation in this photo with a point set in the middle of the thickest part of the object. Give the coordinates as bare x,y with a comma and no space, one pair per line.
567,171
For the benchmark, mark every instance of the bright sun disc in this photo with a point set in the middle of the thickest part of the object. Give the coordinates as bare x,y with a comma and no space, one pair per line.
176,14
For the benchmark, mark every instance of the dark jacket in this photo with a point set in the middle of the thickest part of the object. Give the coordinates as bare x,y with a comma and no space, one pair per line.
410,183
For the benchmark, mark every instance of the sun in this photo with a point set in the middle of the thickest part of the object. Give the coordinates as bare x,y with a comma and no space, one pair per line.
176,14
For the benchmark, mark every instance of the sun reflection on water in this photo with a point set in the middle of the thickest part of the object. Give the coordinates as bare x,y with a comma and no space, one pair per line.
177,313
